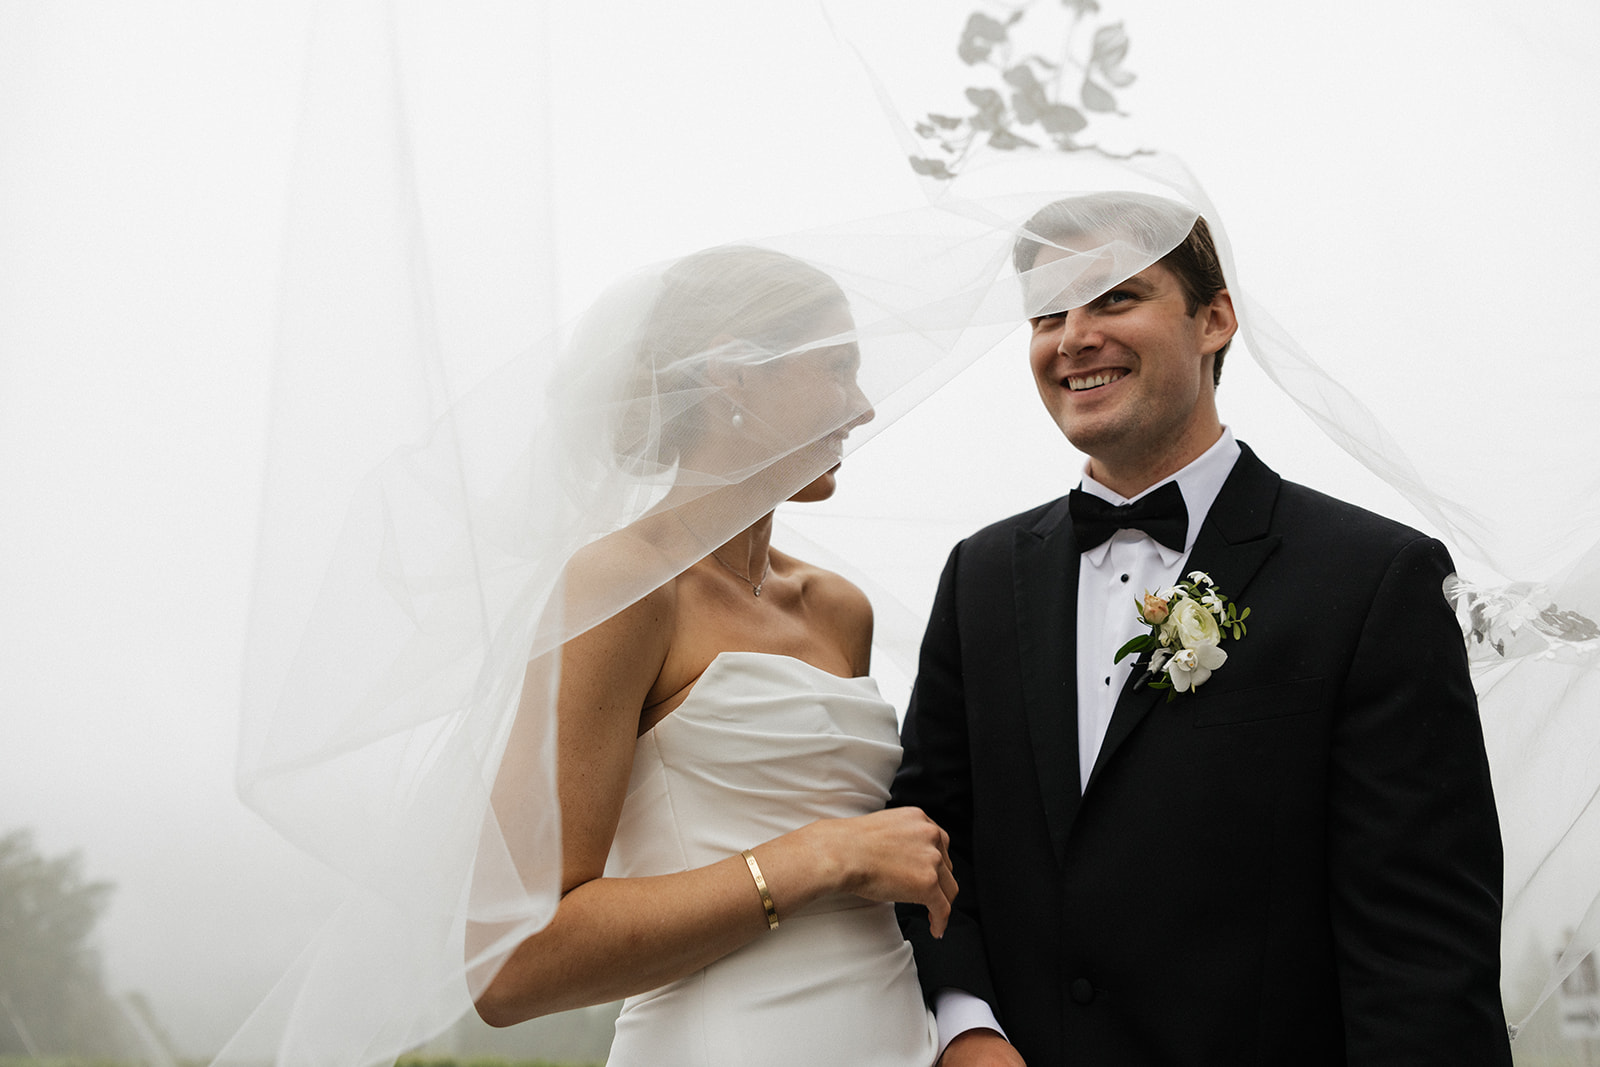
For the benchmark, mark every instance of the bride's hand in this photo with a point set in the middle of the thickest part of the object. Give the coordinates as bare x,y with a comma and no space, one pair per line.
898,854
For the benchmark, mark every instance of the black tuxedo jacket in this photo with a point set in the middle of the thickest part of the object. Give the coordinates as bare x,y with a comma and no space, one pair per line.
1297,863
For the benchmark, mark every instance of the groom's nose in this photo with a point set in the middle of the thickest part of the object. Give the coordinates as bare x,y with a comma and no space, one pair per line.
1080,332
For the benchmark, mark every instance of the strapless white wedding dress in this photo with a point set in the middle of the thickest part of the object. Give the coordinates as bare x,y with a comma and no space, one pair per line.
763,745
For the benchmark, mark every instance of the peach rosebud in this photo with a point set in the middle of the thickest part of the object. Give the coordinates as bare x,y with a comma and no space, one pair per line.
1155,610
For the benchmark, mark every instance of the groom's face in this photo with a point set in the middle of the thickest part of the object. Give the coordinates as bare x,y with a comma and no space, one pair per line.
1127,376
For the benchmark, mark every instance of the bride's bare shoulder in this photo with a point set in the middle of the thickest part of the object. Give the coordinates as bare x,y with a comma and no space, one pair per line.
837,604
841,593
620,583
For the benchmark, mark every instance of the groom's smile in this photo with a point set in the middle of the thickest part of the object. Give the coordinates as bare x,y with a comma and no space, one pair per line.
1078,383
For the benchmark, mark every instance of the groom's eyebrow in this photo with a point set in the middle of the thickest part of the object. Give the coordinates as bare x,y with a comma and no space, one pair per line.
1095,284
1133,281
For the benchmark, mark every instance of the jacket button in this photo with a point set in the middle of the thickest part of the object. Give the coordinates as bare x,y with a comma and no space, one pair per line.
1082,992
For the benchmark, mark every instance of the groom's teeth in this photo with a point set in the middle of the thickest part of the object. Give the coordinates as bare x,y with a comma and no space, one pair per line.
1093,381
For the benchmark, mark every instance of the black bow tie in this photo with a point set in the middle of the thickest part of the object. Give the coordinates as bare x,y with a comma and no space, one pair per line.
1161,514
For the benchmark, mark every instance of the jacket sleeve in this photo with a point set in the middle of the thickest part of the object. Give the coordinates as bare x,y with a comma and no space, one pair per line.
1414,847
936,775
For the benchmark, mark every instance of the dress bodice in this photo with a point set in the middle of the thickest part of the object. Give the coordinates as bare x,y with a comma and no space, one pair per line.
762,745
765,744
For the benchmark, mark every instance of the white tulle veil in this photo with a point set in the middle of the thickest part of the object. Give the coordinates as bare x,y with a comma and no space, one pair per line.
448,501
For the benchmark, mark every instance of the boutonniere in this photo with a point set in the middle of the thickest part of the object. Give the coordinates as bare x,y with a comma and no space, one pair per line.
1187,624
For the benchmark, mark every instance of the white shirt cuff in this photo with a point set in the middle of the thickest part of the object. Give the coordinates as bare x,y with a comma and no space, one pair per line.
958,1011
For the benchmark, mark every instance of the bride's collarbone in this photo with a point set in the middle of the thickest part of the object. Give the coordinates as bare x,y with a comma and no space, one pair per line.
803,613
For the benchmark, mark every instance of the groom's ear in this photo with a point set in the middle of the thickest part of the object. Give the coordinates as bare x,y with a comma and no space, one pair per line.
1218,323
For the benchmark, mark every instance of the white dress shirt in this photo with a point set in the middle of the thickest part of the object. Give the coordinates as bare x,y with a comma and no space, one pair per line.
1111,576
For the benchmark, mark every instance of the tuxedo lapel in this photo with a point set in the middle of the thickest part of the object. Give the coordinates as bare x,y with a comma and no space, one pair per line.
1235,539
1046,589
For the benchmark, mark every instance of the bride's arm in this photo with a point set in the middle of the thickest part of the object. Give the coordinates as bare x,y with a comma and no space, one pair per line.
612,937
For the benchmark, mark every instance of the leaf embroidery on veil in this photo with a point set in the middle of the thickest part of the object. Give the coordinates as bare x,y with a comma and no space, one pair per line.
1036,102
1520,619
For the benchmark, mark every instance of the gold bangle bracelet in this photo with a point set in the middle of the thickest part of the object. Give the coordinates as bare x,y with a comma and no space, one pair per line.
761,887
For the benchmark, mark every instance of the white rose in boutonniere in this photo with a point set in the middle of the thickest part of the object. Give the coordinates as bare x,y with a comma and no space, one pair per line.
1187,625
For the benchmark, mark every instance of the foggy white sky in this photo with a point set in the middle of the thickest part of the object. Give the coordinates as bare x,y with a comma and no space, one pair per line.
1408,187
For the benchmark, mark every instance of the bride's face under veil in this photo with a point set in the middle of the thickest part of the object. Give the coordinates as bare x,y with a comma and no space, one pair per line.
773,342
811,395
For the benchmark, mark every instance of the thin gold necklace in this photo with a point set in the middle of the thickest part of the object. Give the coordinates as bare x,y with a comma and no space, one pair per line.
755,587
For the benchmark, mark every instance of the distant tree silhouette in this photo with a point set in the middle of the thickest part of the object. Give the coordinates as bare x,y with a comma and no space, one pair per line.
52,998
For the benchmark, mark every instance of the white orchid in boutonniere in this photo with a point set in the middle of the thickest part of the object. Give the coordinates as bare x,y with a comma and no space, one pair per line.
1187,624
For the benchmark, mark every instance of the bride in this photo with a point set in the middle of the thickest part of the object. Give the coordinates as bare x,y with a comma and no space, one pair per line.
723,758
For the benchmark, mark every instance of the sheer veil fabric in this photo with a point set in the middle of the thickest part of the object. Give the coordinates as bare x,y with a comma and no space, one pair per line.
448,501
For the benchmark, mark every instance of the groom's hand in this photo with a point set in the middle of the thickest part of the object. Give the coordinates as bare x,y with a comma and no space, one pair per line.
980,1048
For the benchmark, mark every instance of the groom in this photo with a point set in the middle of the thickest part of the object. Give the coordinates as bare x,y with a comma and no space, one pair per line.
1294,861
